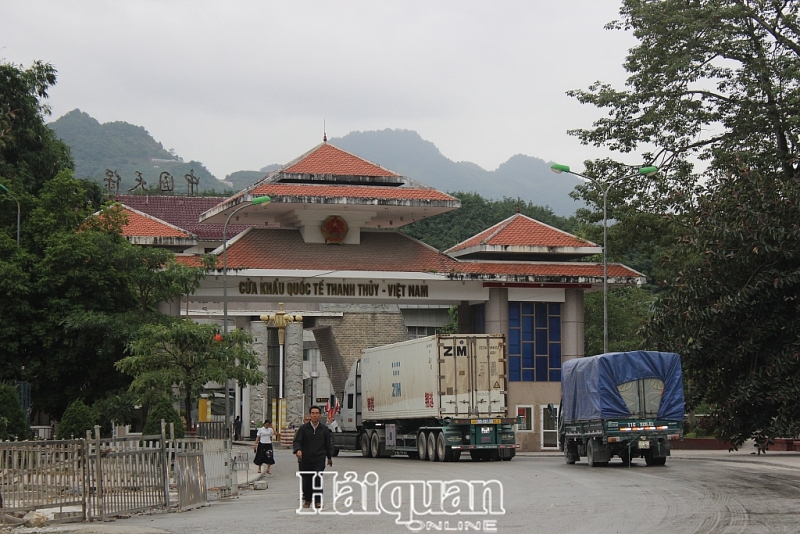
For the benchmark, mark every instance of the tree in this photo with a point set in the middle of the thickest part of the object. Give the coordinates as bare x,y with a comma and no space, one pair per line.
163,410
716,81
189,355
12,417
629,309
30,153
118,408
77,419
733,311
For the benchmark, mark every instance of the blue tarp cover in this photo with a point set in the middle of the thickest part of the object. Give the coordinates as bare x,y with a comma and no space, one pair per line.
589,385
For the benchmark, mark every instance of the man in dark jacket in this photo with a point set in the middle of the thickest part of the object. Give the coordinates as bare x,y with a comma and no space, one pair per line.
312,444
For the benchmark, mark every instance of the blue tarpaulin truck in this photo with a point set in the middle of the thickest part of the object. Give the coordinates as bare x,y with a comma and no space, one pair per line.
625,404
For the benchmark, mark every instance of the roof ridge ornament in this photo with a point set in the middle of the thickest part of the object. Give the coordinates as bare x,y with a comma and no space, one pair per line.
324,132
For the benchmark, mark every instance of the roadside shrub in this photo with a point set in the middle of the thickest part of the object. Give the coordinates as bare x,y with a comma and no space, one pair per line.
77,419
163,410
12,417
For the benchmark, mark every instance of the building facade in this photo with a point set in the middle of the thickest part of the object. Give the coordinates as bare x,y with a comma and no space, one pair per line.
326,249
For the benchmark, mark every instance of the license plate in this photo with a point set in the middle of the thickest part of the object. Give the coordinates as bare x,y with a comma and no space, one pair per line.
644,444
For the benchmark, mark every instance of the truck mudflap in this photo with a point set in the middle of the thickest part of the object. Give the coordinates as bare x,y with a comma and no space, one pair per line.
467,447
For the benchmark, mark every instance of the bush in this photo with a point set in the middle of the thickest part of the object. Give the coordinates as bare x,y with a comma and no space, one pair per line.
12,417
77,419
163,410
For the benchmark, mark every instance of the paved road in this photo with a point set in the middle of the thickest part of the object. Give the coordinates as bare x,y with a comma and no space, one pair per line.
694,493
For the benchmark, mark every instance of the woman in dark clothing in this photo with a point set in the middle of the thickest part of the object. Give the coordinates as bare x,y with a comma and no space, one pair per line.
263,446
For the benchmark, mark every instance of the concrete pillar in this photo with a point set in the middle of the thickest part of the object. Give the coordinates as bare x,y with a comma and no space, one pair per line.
293,377
497,311
253,406
572,345
243,393
464,317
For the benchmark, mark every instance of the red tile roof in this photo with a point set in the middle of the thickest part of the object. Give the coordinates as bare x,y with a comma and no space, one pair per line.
379,251
262,248
519,230
581,269
275,190
182,212
142,225
327,159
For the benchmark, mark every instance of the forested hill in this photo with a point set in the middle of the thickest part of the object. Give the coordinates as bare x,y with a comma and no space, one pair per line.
127,148
124,148
524,177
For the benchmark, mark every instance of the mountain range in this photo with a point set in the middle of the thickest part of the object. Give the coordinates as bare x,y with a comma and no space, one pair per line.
127,148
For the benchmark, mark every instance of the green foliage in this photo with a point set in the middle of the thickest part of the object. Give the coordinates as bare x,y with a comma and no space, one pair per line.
629,309
188,354
163,410
734,314
715,80
476,215
116,407
452,326
77,419
30,154
12,417
75,299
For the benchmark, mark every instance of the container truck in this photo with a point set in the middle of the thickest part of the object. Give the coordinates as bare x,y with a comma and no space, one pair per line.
429,398
626,404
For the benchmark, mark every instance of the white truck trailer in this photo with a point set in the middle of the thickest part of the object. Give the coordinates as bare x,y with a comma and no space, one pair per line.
429,398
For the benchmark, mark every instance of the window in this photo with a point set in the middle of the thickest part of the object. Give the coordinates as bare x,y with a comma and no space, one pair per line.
526,412
305,355
534,341
549,427
349,401
421,331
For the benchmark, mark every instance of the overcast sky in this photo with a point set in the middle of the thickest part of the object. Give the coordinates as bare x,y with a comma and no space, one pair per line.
242,84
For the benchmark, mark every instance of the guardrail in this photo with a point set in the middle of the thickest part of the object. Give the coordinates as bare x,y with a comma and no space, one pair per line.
96,478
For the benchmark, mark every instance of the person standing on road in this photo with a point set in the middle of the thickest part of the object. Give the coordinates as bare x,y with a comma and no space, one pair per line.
312,444
263,446
237,428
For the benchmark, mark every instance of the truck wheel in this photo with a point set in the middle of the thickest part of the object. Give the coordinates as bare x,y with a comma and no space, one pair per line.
508,455
365,449
475,455
422,446
443,452
432,456
456,456
626,457
494,455
375,445
649,460
591,447
568,457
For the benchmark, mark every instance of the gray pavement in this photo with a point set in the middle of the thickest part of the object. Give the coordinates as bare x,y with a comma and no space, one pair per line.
284,473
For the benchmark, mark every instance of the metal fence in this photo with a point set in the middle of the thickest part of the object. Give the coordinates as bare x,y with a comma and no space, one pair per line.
36,474
95,478
213,430
125,475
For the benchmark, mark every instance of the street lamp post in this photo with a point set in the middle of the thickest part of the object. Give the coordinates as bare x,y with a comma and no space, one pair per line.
281,320
605,185
255,202
18,208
